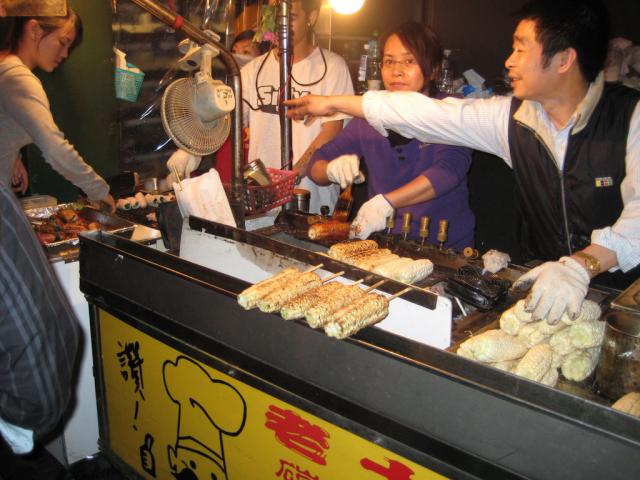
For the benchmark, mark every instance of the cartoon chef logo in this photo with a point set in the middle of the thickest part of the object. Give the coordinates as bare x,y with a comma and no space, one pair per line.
208,410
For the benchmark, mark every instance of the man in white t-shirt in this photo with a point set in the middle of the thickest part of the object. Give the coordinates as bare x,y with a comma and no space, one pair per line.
315,71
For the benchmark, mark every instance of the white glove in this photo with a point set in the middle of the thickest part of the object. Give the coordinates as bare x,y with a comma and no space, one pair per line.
371,217
345,170
184,163
558,286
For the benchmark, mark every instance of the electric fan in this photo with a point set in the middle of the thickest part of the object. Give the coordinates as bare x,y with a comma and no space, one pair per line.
196,110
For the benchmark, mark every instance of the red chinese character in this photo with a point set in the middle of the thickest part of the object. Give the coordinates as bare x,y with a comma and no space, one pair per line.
297,434
395,471
289,471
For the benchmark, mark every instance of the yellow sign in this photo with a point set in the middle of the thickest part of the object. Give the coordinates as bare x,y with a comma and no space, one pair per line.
171,417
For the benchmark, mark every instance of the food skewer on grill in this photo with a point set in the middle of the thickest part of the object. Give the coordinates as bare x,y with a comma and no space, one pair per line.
364,312
249,297
318,314
275,299
340,250
298,306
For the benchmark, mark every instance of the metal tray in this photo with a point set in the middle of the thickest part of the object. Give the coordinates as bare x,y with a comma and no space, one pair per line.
629,300
108,223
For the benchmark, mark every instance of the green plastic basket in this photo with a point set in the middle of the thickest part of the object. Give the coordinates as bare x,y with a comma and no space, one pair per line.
128,84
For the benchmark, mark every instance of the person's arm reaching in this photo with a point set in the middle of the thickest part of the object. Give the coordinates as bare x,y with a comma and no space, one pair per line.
478,124
329,131
30,108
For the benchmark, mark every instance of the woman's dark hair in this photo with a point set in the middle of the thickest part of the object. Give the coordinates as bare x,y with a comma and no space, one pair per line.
425,46
579,24
245,35
15,27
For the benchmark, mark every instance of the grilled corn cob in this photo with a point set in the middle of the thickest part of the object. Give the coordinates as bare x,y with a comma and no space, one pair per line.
318,314
521,313
588,312
495,346
509,322
296,307
548,329
415,271
249,297
506,365
375,260
365,311
561,342
629,403
587,334
536,362
340,250
579,364
551,377
275,299
531,335
360,257
387,269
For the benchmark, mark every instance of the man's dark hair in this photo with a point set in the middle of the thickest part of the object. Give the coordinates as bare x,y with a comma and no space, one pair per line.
425,46
579,24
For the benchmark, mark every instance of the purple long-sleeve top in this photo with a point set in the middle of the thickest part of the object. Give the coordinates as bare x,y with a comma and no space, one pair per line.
392,164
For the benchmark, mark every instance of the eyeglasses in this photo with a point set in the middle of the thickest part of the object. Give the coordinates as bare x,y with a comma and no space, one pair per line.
406,63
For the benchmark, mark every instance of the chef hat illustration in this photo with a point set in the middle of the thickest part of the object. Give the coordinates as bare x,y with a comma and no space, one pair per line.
208,408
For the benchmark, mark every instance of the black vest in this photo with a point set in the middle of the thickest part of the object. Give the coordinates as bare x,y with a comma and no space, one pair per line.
560,209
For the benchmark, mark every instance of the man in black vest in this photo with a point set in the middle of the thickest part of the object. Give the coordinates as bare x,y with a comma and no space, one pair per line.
572,140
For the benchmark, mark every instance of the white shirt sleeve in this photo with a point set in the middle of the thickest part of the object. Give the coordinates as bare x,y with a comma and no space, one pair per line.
623,237
336,82
481,124
29,107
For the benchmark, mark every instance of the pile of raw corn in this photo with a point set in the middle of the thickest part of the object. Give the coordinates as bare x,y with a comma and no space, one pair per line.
537,350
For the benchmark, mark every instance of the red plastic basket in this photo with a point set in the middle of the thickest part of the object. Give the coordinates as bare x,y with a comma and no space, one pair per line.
258,199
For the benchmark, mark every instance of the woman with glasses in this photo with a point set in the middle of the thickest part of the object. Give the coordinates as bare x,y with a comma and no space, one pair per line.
403,174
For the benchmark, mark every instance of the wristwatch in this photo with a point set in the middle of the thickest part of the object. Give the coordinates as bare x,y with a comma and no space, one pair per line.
591,262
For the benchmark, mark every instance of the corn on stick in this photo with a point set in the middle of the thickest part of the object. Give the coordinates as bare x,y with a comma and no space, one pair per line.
249,297
298,306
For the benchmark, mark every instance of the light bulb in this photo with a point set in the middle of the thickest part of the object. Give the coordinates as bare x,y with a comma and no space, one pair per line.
346,7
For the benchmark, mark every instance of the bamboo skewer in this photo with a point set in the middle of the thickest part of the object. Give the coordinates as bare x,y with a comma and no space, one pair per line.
313,269
401,292
331,277
374,286
175,173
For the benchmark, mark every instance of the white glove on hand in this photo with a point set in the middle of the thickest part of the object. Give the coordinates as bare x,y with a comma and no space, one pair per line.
345,170
184,163
371,217
558,286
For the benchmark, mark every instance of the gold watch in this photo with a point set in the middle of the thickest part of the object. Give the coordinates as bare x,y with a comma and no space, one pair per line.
591,262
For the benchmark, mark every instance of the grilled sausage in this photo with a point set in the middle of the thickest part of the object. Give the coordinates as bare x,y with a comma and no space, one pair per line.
249,297
365,311
331,230
341,250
